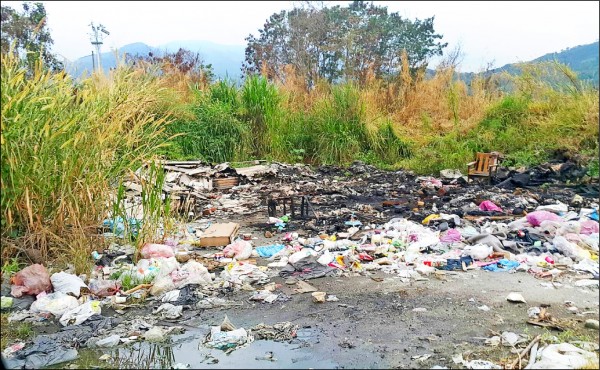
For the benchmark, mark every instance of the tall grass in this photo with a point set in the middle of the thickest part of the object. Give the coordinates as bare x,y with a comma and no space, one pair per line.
211,128
413,122
65,143
62,146
260,102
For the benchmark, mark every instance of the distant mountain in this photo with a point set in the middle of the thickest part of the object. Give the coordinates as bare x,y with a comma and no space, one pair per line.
107,59
226,60
582,59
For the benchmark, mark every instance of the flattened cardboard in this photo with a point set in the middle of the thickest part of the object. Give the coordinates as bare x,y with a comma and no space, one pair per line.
218,235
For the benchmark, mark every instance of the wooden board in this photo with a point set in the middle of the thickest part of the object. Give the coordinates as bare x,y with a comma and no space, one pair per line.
218,235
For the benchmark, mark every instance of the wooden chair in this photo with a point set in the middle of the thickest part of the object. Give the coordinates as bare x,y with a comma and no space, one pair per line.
484,166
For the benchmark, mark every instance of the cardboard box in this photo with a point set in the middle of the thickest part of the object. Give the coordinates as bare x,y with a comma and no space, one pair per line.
218,235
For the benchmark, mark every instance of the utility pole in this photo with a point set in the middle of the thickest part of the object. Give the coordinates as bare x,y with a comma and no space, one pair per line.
96,38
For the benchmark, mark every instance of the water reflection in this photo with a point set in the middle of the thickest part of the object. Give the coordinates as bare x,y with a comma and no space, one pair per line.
188,350
142,355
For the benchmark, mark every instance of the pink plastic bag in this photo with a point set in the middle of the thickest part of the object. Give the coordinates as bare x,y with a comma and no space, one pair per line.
432,182
589,227
241,250
536,218
151,250
487,205
451,236
31,280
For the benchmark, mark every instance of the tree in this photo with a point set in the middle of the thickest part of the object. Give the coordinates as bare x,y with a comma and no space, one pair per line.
29,33
183,62
340,42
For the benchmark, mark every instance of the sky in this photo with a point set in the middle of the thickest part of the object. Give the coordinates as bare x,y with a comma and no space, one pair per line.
487,32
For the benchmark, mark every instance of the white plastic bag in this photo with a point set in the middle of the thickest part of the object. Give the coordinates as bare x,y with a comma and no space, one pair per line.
326,258
478,251
305,252
55,303
81,313
592,241
554,208
191,273
565,356
169,311
569,227
162,285
570,249
67,283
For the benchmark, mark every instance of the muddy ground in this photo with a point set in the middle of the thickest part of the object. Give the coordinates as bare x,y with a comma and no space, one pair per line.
373,324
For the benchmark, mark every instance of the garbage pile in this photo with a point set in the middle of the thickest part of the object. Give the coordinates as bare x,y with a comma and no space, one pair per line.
187,182
335,193
545,242
396,223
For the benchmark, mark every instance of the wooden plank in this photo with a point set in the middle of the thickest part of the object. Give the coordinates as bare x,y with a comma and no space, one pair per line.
194,163
191,172
479,162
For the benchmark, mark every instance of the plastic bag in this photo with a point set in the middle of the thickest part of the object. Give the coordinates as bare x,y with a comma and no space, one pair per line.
570,249
104,288
162,285
430,218
67,283
589,227
169,311
326,258
158,267
191,273
424,239
536,218
31,280
241,250
268,251
550,227
565,356
487,205
81,313
592,241
227,340
55,303
155,334
6,302
151,250
108,342
568,227
451,236
478,251
554,208
300,255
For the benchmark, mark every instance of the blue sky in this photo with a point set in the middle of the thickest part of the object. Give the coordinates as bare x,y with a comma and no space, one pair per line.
496,32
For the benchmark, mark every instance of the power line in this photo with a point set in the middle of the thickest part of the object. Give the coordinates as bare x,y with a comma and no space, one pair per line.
98,34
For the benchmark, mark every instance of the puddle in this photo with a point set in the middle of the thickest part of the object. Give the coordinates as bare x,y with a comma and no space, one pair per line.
187,349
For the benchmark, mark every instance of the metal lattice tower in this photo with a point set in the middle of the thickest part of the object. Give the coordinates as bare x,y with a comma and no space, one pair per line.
98,34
